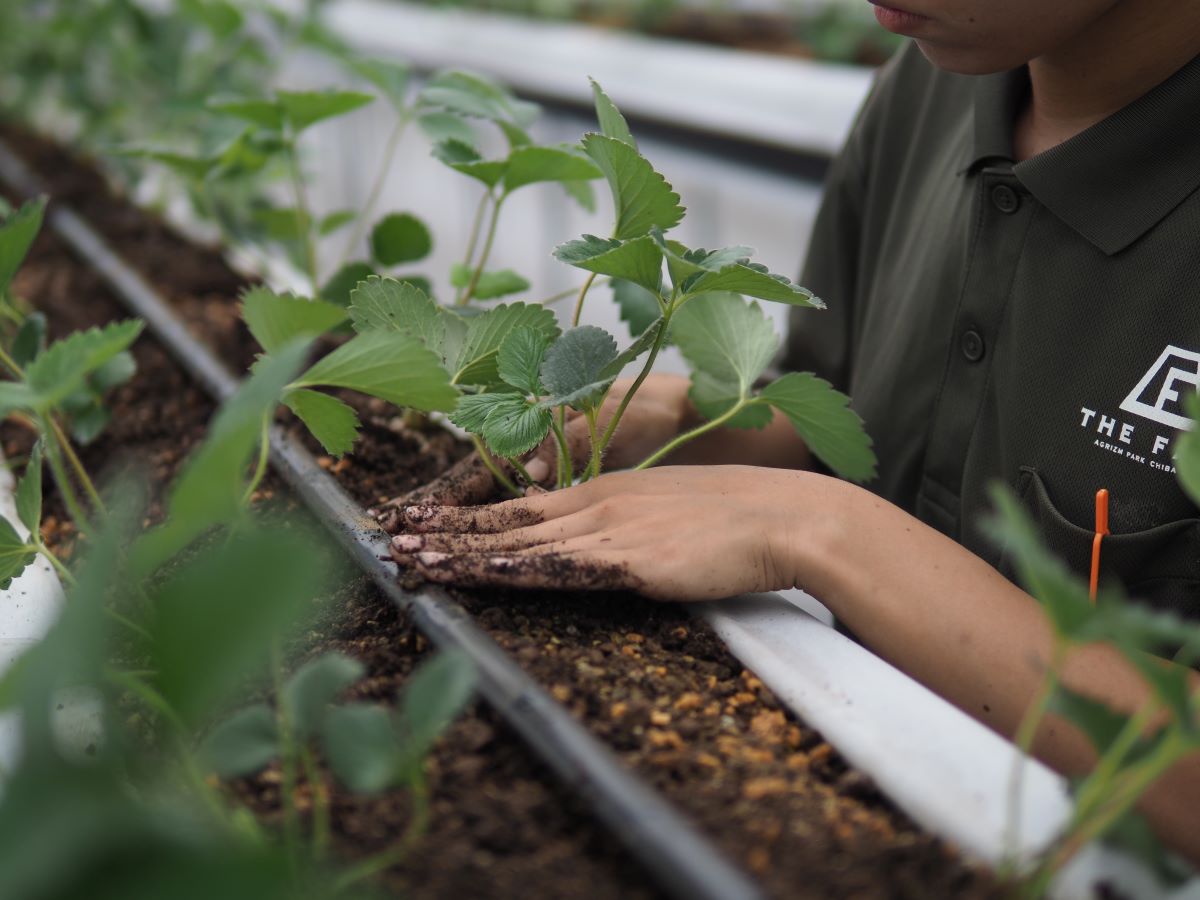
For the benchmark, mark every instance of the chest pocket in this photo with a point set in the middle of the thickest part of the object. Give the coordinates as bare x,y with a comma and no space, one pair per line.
1160,565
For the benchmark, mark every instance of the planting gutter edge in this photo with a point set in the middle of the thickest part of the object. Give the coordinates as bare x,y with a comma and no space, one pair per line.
945,769
684,863
754,98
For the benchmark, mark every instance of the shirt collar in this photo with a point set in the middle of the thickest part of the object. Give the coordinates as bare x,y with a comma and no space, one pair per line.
1114,181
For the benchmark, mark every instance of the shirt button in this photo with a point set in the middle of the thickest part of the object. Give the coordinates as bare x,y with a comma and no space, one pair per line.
1005,198
972,345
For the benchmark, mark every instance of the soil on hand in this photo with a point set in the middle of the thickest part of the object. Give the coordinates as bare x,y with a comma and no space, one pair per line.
654,683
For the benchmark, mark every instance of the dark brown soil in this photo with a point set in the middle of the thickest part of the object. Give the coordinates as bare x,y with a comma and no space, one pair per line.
651,681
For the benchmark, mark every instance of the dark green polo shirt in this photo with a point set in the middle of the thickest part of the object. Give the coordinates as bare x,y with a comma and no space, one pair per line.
1036,322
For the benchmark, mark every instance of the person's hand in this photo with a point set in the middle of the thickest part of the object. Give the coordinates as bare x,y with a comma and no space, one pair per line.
673,533
656,414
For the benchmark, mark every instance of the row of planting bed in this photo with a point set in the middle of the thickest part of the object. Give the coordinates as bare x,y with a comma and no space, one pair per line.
653,683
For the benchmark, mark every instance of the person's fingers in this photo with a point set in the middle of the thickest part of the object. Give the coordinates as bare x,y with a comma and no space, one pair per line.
466,483
507,515
584,570
578,524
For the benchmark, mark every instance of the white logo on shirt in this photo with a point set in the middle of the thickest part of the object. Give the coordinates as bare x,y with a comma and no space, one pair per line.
1159,395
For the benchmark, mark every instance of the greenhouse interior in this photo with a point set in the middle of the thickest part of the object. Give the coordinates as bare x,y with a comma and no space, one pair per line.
648,535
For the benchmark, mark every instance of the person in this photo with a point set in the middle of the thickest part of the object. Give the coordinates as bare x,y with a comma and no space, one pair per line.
1010,248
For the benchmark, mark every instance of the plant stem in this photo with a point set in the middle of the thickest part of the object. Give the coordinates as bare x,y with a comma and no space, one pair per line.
63,572
63,480
521,470
11,364
467,294
320,804
395,855
385,166
493,468
77,465
566,466
260,467
593,469
303,214
563,295
659,339
682,439
1094,787
476,225
1026,731
287,761
579,303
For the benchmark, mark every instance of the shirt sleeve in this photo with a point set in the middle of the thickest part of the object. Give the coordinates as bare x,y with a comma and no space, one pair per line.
821,341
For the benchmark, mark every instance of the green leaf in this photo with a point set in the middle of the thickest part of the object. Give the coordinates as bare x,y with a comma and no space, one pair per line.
1187,451
436,694
400,238
331,421
643,199
264,113
63,367
305,108
278,319
726,338
243,744
472,410
15,554
1171,685
473,95
362,747
391,78
30,339
638,260
394,366
823,418
439,126
490,284
576,370
216,615
640,345
17,234
189,167
388,304
475,362
581,192
283,223
612,123
339,287
515,426
29,491
1100,722
209,490
1063,596
752,280
683,262
519,360
462,157
223,19
335,221
314,687
638,306
529,165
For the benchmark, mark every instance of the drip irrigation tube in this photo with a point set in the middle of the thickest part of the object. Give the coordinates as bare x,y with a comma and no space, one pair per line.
684,863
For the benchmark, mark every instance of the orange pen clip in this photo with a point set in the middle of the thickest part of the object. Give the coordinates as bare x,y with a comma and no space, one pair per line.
1101,531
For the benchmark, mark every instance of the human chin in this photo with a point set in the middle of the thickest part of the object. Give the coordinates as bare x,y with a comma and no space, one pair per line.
970,59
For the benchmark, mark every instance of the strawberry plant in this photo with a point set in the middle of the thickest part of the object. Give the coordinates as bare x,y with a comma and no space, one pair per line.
510,375
1133,750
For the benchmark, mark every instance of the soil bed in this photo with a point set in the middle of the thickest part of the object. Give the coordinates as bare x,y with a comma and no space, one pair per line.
648,679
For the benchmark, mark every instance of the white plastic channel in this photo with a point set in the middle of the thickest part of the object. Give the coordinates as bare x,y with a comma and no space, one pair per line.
28,609
755,97
943,768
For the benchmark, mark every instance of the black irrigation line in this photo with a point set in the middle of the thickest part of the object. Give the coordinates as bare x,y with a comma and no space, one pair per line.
685,863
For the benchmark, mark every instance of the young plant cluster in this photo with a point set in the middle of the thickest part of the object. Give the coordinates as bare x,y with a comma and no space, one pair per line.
1133,750
511,377
109,794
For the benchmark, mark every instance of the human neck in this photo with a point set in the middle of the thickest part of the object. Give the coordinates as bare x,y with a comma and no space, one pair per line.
1130,49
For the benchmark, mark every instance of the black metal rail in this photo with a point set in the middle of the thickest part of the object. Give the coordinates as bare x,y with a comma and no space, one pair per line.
683,862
